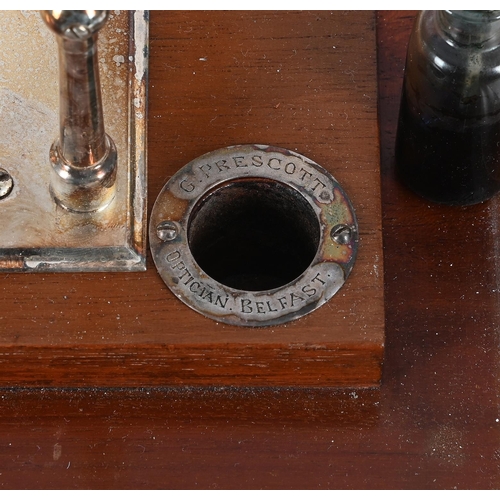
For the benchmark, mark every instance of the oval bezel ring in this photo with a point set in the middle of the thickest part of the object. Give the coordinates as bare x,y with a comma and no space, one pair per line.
323,278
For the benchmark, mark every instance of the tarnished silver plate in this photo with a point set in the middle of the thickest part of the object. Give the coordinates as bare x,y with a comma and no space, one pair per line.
36,234
253,235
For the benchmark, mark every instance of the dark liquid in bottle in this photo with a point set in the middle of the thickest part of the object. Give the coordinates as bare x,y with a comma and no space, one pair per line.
455,167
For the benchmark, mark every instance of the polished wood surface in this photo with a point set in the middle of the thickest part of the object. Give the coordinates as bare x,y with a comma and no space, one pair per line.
434,423
304,81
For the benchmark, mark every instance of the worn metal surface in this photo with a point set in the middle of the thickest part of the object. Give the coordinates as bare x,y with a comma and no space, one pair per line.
175,217
36,234
83,157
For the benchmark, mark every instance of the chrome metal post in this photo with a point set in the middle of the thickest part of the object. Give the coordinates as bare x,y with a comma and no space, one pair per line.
83,157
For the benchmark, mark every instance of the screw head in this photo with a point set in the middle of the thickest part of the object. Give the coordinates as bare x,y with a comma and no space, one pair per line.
167,230
327,196
342,234
6,183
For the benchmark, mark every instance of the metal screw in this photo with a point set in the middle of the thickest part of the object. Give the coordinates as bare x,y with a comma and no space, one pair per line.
167,230
6,183
326,195
341,234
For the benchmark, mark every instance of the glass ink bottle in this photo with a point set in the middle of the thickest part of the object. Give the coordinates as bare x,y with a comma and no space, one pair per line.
448,138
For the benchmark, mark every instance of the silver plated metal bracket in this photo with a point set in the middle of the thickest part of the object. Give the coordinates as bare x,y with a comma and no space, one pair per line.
36,233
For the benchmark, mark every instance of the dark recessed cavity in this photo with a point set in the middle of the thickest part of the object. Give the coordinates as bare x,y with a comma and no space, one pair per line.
253,234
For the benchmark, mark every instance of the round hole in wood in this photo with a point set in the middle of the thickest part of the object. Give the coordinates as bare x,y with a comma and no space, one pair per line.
253,234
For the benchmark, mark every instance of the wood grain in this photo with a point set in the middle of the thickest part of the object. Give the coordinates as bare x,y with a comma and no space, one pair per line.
433,424
299,80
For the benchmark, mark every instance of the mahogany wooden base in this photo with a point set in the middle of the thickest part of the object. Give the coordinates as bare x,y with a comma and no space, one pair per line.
302,81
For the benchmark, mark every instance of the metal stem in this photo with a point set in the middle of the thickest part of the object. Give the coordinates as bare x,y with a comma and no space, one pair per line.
84,156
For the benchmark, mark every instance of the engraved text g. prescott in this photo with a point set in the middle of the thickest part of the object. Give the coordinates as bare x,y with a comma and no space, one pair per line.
257,164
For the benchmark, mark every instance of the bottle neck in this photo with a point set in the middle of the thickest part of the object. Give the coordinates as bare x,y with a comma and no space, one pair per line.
471,27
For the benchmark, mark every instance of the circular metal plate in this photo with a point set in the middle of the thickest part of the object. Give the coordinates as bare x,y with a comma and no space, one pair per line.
261,169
